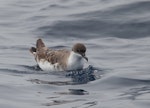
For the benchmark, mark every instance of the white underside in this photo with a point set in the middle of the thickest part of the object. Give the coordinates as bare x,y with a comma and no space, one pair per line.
75,61
46,66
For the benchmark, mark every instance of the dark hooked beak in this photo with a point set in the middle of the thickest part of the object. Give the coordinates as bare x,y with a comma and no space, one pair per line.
83,55
85,58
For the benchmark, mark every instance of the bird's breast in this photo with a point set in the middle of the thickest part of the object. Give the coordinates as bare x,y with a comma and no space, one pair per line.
75,62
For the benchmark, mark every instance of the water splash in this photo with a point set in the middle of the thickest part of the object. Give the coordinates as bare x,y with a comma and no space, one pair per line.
82,76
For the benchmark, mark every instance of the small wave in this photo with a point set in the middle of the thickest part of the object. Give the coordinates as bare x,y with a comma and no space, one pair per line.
74,92
58,83
54,6
123,21
16,71
136,81
121,81
136,7
135,92
58,47
74,29
23,69
35,67
94,28
60,102
17,47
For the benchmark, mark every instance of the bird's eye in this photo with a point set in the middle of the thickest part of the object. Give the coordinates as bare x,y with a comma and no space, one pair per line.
83,51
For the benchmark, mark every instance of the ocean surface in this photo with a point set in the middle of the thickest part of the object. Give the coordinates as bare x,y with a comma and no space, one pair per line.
116,34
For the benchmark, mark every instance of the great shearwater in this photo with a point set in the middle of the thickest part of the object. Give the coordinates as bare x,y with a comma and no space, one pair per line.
59,60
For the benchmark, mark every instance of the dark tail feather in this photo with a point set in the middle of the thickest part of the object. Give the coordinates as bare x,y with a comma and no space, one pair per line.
39,43
33,50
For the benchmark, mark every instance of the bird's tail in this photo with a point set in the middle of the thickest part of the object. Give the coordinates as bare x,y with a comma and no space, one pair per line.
40,44
39,47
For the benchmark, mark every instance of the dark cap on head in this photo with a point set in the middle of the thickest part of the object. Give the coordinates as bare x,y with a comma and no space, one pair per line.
80,49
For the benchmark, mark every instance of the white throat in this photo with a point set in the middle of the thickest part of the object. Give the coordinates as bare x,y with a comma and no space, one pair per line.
75,61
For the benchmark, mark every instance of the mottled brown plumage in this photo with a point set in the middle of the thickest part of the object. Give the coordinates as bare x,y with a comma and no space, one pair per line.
52,56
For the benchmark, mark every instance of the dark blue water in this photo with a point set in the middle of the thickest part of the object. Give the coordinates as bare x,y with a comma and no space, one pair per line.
117,36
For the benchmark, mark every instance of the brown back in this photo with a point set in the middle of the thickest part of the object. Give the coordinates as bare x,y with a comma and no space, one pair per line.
52,56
